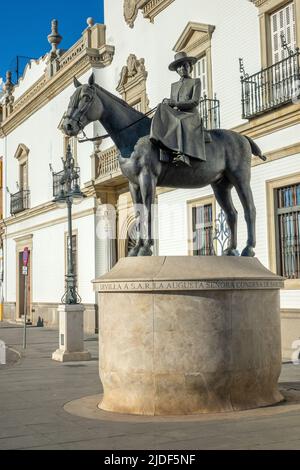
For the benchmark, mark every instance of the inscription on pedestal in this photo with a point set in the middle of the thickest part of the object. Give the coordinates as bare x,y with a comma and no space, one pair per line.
188,285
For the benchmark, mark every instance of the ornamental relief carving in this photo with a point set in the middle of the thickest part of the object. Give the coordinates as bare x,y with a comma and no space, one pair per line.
131,8
132,83
129,71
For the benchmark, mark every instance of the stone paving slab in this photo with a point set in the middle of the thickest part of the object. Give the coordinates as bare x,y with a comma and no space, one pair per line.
34,390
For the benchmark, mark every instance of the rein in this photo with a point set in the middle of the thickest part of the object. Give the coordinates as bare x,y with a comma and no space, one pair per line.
106,136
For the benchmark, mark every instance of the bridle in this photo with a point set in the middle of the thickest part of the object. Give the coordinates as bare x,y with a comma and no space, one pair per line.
80,112
77,114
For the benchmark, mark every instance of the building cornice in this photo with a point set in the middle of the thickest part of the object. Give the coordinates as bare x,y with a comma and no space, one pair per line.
267,6
89,51
259,3
277,154
42,209
22,232
270,122
153,7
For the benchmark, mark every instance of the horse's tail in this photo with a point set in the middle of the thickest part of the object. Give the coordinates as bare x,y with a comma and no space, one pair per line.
255,149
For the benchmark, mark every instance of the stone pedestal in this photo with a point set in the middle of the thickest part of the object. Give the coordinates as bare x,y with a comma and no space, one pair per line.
71,345
184,335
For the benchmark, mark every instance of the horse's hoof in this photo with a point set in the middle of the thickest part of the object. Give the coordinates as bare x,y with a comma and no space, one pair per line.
248,251
231,252
134,251
145,251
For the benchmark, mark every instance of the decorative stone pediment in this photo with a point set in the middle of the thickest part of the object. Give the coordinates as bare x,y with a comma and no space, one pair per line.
21,153
194,36
151,8
132,83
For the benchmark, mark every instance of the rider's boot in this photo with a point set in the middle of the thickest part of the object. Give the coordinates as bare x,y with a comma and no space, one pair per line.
181,158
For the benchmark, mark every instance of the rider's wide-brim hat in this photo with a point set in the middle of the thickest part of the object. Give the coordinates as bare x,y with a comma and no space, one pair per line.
181,57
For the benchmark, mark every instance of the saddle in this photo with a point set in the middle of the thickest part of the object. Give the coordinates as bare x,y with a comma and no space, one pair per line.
167,155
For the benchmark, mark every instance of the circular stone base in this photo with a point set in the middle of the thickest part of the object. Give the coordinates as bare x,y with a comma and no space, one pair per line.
186,335
88,407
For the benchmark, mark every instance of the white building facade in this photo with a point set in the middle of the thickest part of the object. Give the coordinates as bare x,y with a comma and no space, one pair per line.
32,146
264,106
257,96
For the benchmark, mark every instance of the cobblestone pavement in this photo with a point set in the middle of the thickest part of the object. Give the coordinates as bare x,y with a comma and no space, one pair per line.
34,390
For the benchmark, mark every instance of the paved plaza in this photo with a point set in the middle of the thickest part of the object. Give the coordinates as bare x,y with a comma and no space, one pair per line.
34,390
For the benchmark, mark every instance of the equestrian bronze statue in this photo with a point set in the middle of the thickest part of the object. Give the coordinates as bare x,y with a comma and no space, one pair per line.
150,158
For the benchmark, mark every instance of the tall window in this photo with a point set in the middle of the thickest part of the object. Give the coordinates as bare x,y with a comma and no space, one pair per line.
202,227
24,176
200,71
288,231
283,22
137,106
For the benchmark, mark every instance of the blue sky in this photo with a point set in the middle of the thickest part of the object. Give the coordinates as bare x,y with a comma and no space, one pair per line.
24,27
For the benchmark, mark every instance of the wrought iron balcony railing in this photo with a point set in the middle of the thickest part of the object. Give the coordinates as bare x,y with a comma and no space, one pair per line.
19,202
210,112
271,87
59,184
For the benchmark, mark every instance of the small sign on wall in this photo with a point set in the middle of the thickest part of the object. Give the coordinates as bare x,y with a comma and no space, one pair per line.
25,270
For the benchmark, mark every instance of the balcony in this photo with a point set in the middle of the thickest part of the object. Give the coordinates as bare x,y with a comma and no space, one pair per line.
272,87
108,172
210,112
59,183
19,202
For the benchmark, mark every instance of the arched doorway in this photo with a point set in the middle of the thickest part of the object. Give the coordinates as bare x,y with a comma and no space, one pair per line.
131,237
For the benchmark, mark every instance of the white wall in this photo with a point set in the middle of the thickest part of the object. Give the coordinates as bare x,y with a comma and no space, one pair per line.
9,255
236,35
173,217
48,254
32,72
44,140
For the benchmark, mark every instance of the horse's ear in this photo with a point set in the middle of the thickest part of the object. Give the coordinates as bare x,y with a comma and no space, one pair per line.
92,80
76,83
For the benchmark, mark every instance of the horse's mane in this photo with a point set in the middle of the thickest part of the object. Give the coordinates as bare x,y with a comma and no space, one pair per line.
74,100
119,101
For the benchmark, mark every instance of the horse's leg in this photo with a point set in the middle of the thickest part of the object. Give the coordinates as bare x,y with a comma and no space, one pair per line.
137,202
246,197
222,191
147,183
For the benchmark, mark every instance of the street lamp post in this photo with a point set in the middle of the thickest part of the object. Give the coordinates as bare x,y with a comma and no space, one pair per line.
68,195
71,345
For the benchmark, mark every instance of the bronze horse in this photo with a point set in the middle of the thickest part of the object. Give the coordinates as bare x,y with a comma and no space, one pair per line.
227,165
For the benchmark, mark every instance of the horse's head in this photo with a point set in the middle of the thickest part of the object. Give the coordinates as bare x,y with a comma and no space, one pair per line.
84,107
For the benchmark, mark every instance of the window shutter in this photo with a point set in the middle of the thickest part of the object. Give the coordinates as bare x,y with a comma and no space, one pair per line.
200,71
283,21
23,177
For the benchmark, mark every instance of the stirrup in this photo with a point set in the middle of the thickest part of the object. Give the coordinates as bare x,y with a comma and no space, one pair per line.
181,158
